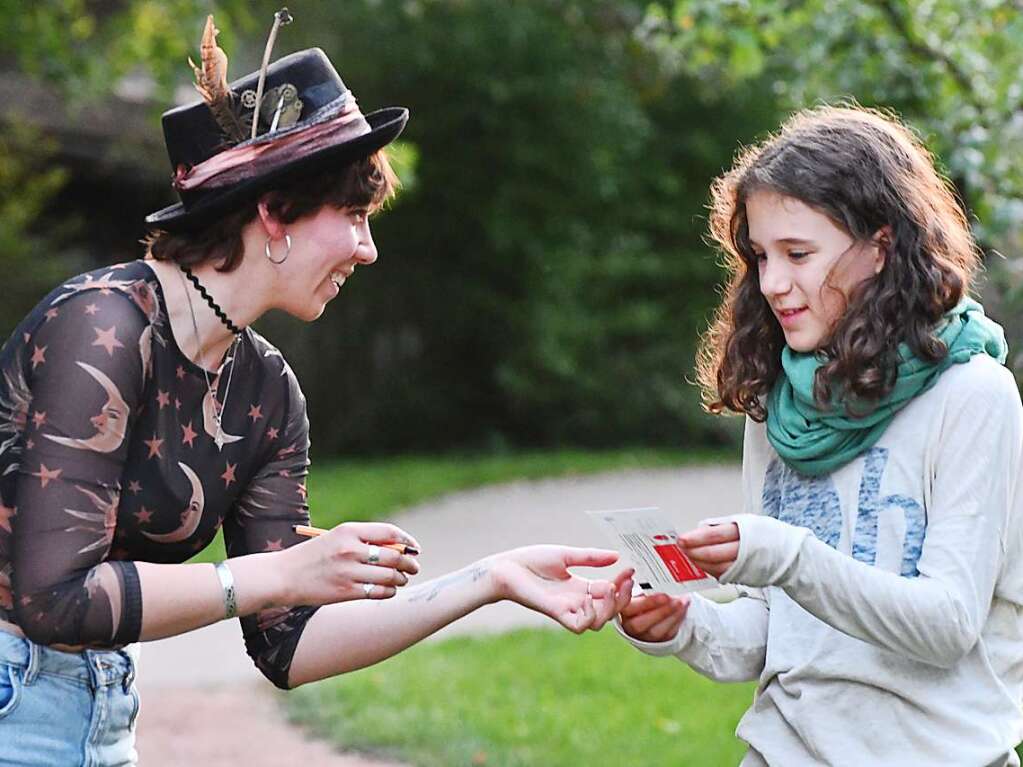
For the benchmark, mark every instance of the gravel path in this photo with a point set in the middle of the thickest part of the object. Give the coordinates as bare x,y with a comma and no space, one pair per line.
204,702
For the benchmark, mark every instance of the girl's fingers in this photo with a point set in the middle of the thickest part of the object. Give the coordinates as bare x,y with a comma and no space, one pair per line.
667,628
642,604
714,554
643,623
706,535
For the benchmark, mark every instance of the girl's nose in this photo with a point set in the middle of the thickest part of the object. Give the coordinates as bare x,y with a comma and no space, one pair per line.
774,278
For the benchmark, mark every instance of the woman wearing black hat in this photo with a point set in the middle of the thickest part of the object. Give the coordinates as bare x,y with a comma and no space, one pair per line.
139,413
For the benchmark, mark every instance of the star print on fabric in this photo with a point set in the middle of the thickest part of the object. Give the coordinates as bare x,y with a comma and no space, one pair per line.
163,398
302,491
107,339
143,516
275,545
91,309
189,434
38,356
52,314
135,487
272,433
154,447
177,404
38,419
228,475
30,444
255,412
6,512
180,372
45,475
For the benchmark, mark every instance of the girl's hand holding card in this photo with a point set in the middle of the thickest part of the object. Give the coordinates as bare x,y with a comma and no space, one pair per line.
713,547
654,618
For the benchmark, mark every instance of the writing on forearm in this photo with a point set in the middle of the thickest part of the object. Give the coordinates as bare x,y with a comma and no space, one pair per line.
429,591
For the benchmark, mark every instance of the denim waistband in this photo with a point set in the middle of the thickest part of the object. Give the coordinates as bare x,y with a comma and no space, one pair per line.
93,668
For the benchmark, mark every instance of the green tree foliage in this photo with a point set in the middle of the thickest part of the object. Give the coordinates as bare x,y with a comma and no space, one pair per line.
951,67
545,280
27,184
542,277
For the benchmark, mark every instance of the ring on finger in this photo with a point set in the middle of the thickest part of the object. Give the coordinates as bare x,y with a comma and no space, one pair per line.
367,589
588,584
374,554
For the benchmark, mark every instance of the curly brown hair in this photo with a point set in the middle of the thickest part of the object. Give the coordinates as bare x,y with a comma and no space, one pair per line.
369,182
865,170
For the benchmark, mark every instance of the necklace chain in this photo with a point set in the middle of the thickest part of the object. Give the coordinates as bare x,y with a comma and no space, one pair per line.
217,412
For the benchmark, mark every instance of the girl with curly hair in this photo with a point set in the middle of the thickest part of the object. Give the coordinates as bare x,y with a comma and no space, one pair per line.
879,555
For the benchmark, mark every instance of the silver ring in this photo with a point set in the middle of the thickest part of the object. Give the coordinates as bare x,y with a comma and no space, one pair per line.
367,588
374,554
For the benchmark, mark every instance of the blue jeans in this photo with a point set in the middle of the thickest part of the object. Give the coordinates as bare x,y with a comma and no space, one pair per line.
66,709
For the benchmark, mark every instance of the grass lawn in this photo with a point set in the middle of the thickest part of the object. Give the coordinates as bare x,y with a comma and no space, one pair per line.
369,489
530,698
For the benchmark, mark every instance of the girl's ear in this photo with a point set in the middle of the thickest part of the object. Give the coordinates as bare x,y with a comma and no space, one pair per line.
882,241
273,226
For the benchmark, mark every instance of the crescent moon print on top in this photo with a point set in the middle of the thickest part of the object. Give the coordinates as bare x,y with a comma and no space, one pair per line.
189,517
105,512
111,423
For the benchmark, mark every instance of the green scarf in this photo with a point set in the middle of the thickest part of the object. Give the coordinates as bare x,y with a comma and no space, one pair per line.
815,441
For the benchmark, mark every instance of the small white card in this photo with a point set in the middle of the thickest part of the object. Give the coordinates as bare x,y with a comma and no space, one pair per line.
648,540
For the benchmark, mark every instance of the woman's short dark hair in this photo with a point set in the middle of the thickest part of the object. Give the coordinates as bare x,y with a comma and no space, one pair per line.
864,170
367,183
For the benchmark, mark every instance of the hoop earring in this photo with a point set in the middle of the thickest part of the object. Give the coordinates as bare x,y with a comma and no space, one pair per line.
287,250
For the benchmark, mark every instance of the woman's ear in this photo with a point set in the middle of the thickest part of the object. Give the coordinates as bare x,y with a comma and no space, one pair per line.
273,226
882,241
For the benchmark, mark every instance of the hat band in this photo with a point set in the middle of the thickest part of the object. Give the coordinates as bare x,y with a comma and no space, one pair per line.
248,160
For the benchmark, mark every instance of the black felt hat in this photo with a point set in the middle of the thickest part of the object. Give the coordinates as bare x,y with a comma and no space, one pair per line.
306,111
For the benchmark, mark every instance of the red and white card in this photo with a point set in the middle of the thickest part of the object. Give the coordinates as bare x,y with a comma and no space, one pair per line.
647,539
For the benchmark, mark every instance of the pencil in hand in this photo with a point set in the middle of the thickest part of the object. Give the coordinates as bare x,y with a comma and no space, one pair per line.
312,532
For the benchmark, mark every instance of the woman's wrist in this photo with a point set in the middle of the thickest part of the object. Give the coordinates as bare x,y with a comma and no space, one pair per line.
263,581
494,578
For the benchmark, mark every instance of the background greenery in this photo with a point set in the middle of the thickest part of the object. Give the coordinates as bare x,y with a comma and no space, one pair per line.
543,278
529,699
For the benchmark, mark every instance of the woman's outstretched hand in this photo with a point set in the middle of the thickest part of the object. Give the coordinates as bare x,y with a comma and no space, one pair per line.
654,618
538,578
347,562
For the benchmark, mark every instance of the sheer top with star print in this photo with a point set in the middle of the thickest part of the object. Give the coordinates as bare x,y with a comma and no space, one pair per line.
109,454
